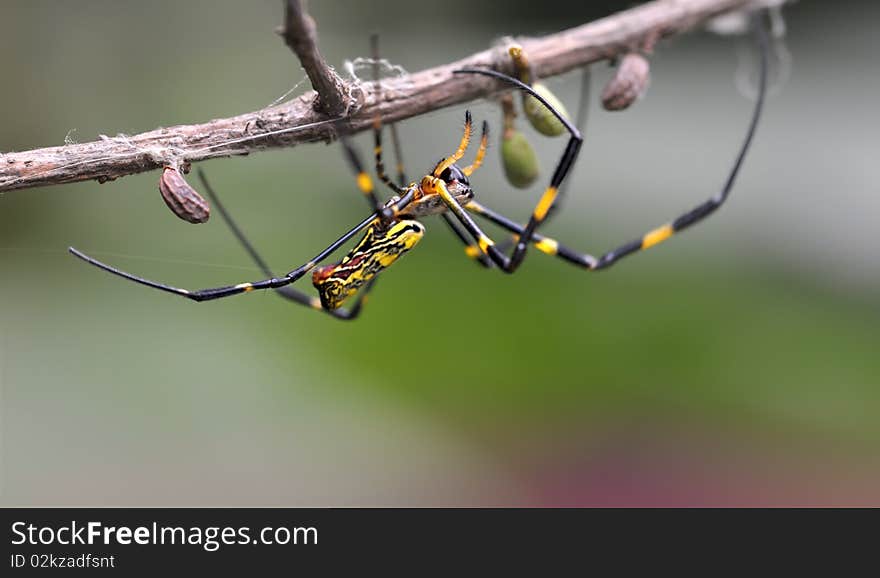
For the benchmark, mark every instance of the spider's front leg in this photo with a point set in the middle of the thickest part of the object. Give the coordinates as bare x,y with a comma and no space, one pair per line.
434,185
545,204
659,234
271,283
486,245
548,200
288,292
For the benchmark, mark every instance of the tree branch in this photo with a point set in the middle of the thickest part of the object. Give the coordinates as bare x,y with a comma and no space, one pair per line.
300,34
297,121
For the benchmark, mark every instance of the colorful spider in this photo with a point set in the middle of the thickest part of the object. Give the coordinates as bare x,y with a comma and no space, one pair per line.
392,229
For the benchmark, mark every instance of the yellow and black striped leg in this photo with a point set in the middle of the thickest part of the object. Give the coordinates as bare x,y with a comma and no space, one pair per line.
471,250
551,193
398,155
395,138
377,151
377,123
541,242
652,238
433,184
364,182
580,124
483,243
525,234
548,199
288,292
703,210
660,234
271,283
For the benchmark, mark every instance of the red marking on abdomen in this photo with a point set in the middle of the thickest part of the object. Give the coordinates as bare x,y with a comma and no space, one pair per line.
322,273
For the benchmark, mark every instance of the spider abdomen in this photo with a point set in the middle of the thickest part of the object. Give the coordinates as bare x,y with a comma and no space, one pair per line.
377,250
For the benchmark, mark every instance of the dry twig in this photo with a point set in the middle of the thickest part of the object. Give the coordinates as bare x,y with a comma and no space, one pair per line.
300,34
299,122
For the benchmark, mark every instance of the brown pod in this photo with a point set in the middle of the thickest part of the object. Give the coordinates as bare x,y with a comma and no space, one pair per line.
630,82
181,198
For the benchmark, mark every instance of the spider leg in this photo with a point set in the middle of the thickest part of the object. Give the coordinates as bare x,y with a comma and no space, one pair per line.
541,242
580,124
706,208
398,155
270,283
395,139
471,250
364,182
363,178
654,237
377,125
509,264
287,292
483,242
486,245
660,234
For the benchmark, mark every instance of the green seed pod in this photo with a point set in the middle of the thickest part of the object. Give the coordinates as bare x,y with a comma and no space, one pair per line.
519,159
544,121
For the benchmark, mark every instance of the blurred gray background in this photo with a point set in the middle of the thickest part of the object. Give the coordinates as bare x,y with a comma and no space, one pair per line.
735,364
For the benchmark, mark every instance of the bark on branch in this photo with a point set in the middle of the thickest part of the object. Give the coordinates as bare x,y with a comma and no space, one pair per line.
298,121
301,35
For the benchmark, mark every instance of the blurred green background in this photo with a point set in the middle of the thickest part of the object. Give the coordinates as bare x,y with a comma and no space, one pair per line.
735,365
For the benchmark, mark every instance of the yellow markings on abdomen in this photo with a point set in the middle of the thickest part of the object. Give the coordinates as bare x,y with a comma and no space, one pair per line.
656,236
377,251
547,200
246,286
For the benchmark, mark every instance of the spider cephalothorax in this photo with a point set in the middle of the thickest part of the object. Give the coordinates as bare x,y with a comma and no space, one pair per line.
426,200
